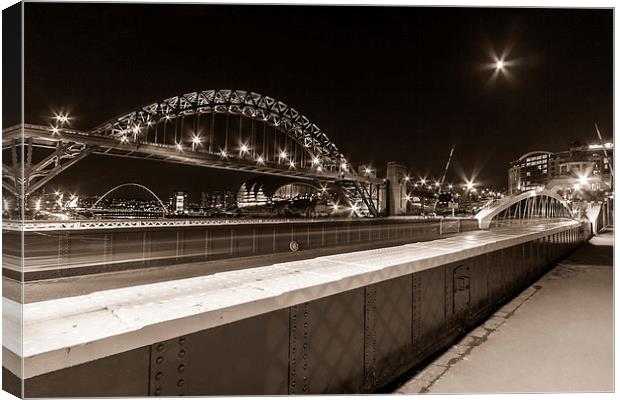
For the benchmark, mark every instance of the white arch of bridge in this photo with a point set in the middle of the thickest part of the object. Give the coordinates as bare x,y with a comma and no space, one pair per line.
493,210
130,184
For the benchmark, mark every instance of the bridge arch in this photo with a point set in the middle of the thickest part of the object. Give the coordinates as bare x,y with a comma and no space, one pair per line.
163,206
138,125
526,205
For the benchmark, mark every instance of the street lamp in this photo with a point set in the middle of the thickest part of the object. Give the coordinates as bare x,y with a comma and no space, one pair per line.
499,65
62,118
195,141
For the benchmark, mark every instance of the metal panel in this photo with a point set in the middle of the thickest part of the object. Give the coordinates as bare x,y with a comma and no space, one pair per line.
429,318
11,383
244,241
248,357
479,290
495,284
220,242
327,345
168,368
265,239
125,374
284,236
194,243
388,330
301,235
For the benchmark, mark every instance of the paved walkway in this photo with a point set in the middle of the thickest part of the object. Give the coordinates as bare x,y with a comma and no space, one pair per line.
556,336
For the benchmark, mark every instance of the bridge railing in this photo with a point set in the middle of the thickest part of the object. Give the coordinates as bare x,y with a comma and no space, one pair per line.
84,247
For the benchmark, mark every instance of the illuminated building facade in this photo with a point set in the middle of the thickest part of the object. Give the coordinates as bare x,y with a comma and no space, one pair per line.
178,203
582,168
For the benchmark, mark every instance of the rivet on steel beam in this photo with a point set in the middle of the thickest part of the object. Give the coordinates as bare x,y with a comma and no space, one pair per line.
157,391
181,368
160,347
181,382
182,353
159,375
182,341
159,360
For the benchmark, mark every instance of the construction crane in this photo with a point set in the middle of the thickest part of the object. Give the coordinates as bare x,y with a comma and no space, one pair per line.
443,178
611,168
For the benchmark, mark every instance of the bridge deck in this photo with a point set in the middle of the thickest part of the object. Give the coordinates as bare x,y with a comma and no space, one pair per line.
61,333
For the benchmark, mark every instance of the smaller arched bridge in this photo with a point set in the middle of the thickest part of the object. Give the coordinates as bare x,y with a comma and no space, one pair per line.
136,185
530,205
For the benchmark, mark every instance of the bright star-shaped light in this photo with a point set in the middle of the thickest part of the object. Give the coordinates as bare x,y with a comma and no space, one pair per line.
499,64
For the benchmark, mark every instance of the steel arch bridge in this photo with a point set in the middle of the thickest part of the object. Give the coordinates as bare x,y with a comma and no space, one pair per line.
524,206
251,105
146,189
225,129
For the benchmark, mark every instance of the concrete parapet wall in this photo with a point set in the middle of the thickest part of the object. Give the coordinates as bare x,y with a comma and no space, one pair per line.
339,324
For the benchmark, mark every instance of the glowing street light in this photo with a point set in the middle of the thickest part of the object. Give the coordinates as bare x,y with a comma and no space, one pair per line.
583,180
223,154
62,118
316,160
368,170
124,139
55,130
469,185
244,148
195,141
283,155
423,181
450,187
260,160
291,164
437,184
499,65
179,147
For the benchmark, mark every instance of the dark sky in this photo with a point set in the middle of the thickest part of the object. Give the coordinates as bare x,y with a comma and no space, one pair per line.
384,83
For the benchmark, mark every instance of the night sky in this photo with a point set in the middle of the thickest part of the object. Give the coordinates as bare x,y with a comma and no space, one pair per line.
384,83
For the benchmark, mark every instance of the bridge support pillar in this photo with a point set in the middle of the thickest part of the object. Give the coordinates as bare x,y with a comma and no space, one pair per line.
397,188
